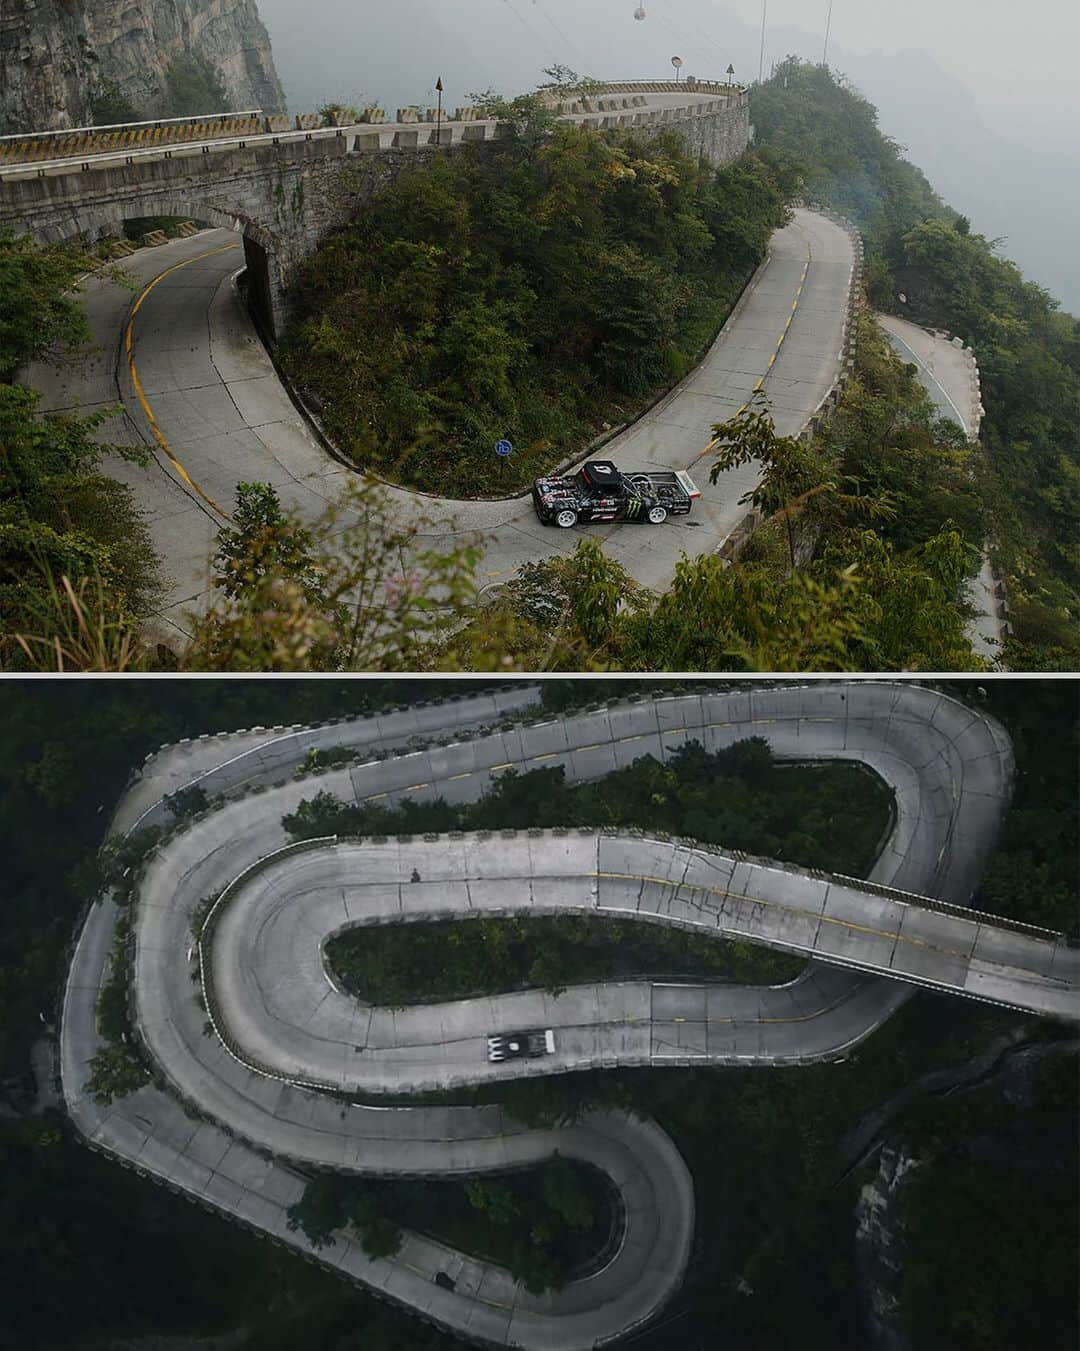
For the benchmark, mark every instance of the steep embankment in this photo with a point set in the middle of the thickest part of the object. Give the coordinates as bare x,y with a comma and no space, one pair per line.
927,263
107,60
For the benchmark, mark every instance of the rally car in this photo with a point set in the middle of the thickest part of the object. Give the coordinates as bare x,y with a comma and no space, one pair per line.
519,1045
600,492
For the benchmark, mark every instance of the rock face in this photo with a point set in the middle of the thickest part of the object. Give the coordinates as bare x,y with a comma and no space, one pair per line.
56,56
879,1249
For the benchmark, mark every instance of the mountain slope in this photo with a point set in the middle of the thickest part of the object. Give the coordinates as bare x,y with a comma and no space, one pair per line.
111,60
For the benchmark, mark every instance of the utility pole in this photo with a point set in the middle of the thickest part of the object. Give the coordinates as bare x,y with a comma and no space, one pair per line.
828,29
438,116
761,60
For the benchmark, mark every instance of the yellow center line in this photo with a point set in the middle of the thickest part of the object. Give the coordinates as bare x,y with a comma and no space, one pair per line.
129,352
761,382
788,909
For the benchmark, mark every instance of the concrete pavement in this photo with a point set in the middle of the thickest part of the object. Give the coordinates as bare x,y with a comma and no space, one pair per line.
950,769
213,413
950,375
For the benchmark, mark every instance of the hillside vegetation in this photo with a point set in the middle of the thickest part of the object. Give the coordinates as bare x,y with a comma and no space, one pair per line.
872,532
1028,351
534,289
63,523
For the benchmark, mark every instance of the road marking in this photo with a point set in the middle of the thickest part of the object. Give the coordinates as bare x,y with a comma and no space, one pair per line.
159,436
895,935
923,366
761,381
467,775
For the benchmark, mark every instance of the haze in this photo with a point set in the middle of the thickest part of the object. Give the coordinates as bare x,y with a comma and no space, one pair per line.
982,92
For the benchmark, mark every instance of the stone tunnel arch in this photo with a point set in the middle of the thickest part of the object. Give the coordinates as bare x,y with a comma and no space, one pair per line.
262,250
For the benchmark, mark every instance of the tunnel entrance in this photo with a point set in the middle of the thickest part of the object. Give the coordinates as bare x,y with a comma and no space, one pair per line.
257,286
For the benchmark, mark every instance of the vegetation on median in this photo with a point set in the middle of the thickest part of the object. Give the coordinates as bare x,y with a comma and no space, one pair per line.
543,1224
536,289
830,817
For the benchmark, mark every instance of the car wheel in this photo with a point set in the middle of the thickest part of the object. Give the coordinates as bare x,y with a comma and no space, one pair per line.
657,515
565,519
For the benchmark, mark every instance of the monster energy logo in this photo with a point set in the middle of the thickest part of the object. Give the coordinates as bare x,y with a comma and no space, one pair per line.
633,508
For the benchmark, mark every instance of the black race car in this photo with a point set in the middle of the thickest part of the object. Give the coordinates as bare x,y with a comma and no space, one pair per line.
519,1045
600,492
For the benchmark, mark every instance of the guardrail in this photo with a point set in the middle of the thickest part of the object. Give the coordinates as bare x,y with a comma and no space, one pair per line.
128,126
415,128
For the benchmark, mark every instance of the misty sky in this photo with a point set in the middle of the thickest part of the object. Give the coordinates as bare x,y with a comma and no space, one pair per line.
984,92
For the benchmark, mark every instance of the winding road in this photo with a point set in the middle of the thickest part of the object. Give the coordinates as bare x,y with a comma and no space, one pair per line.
950,375
245,1027
199,391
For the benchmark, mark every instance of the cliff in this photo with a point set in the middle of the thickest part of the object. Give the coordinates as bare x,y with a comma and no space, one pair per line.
66,63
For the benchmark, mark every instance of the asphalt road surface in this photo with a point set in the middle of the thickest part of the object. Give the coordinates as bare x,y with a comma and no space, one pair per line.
259,966
199,391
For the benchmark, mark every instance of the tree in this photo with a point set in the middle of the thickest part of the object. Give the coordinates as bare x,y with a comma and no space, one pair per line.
41,318
262,544
321,1209
188,801
109,105
527,120
351,592
793,475
76,568
742,619
493,1199
114,1073
907,605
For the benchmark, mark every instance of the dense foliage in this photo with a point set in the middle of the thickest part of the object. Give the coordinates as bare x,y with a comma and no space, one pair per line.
401,964
990,1215
1032,874
544,1224
65,752
533,289
66,530
861,566
1028,351
814,116
829,817
739,798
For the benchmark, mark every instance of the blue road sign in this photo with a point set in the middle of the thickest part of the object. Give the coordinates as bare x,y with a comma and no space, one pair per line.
503,448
